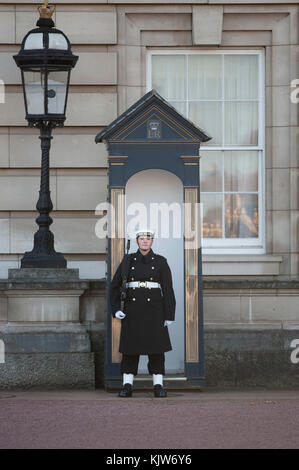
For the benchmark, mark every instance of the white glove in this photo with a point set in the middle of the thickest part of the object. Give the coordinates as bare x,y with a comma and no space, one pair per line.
120,315
168,322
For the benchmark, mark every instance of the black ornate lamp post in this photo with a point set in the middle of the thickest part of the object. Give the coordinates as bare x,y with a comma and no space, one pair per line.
45,60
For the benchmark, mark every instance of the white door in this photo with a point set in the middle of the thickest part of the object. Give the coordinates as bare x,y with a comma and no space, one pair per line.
144,192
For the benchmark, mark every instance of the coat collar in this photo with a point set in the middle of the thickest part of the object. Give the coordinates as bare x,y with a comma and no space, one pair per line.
144,258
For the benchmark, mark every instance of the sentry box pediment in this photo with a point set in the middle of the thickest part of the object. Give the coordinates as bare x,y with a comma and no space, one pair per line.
151,134
151,120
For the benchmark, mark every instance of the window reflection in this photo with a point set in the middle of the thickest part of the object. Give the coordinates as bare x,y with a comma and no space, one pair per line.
212,215
239,210
241,215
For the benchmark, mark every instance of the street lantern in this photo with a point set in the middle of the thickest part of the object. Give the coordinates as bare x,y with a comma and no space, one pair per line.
45,60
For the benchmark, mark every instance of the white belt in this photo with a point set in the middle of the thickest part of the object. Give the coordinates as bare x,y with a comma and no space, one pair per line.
142,284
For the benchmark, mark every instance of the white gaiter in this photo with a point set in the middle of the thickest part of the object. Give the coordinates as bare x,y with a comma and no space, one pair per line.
128,379
158,379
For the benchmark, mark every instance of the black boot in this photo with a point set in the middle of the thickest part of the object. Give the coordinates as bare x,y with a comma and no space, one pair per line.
159,391
126,391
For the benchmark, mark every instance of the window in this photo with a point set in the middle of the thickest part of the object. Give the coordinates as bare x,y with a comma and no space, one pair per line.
223,93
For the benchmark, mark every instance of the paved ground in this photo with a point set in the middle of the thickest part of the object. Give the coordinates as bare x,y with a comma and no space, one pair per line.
184,420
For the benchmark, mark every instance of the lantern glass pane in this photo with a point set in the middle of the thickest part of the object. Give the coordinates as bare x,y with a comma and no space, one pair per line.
34,41
34,82
57,91
57,41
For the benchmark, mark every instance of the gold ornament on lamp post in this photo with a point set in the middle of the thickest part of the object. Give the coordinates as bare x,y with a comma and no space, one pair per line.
46,11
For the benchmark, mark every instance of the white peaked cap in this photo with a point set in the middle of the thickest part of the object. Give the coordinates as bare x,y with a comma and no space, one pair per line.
145,231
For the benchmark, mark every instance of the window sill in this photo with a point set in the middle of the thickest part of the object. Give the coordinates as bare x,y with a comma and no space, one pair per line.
241,265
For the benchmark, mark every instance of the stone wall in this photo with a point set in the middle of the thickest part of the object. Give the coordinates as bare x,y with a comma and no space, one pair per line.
109,76
250,329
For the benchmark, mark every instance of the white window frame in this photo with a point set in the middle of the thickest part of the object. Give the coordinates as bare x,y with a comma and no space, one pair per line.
241,245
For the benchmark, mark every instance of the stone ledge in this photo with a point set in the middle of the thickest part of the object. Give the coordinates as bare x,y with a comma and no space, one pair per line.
265,337
43,279
237,258
244,340
46,342
93,285
15,327
7,285
241,265
252,283
39,279
243,327
47,274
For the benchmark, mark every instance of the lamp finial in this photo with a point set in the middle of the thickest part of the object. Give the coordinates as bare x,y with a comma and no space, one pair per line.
46,11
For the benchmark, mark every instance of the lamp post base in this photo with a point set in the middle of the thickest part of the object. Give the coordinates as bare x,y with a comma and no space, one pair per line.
31,260
43,254
44,262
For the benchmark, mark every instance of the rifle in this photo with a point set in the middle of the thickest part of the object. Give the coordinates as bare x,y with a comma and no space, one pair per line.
124,274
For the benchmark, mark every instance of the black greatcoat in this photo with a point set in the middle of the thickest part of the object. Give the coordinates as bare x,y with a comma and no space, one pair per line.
142,330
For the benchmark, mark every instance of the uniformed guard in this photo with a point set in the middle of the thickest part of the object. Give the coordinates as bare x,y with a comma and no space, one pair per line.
149,308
